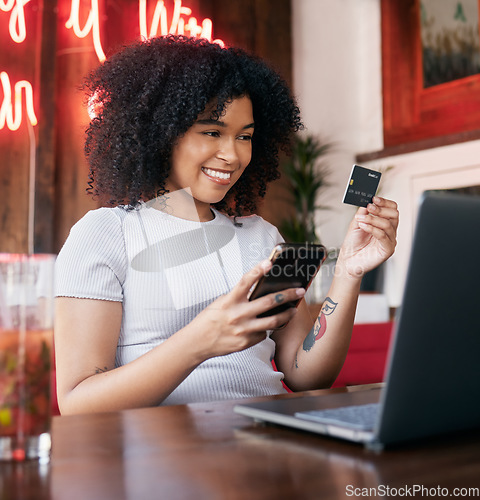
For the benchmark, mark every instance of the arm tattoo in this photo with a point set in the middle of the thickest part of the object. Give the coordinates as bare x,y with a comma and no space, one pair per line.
101,370
319,327
328,306
312,336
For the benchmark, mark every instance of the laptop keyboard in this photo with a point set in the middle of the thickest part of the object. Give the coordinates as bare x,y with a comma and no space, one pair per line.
362,417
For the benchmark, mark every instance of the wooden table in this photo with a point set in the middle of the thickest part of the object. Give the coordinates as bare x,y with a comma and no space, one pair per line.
206,451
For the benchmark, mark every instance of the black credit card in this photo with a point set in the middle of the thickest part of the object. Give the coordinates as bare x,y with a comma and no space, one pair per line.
362,186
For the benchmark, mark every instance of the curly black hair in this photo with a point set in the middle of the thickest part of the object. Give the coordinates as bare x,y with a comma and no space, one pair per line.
150,93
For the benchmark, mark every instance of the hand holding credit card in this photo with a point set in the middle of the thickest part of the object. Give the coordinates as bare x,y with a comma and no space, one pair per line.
362,186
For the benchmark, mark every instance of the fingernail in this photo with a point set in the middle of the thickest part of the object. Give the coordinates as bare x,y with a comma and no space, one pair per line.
359,217
300,292
266,264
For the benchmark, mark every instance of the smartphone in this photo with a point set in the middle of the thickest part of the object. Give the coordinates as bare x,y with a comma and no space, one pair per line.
294,266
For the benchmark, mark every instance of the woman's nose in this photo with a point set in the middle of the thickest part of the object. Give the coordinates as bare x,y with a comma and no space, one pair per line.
227,152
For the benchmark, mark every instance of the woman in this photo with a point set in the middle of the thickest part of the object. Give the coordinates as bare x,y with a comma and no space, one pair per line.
152,295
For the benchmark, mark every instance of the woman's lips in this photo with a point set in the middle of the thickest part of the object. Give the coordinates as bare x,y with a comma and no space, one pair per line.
218,176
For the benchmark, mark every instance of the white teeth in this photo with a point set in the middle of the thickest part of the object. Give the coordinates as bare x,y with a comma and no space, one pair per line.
218,175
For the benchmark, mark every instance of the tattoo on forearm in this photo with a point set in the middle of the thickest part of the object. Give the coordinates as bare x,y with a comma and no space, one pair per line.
328,306
101,370
320,325
313,334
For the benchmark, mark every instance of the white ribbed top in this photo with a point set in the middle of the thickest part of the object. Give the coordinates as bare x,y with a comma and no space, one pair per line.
166,270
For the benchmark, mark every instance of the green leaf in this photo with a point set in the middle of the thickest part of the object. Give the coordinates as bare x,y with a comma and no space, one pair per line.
307,175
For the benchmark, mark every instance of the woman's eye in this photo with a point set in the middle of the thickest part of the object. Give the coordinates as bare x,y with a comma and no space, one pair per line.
212,133
245,137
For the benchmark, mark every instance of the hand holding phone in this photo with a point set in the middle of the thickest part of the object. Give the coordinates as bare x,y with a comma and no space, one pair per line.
294,265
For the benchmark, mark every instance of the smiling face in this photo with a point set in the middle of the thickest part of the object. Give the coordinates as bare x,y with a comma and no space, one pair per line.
212,155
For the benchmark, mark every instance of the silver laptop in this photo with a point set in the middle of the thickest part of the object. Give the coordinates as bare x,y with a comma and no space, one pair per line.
432,382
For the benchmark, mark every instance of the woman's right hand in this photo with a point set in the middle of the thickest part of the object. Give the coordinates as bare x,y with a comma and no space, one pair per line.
230,323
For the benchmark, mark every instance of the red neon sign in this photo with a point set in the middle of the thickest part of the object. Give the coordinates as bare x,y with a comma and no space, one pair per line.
11,113
182,23
177,26
16,25
92,24
159,25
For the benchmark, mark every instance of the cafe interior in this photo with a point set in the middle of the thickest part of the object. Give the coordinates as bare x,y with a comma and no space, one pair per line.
359,72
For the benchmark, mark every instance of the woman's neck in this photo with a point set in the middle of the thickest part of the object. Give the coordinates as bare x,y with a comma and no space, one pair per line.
181,204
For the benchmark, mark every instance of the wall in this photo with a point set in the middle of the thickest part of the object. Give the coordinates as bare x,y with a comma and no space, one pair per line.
337,79
438,168
336,68
26,131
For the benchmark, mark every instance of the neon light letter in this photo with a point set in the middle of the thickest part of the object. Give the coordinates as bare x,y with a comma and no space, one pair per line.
160,19
16,25
178,11
92,24
6,111
159,16
178,25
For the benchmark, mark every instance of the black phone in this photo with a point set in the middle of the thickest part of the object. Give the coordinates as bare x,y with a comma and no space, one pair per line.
294,266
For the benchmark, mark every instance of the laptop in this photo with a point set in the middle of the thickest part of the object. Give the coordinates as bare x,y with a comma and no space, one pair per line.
432,381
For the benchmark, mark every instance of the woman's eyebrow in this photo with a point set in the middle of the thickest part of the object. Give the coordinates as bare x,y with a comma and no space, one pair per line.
218,123
210,121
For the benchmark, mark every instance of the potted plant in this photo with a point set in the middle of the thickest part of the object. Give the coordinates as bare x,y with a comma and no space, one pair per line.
306,176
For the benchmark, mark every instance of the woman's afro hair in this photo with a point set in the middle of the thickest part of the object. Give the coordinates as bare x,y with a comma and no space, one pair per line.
147,95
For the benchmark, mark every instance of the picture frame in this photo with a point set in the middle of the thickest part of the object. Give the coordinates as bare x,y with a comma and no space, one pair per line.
412,113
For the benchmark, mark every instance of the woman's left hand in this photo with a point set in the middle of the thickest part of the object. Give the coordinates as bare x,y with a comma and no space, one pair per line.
371,237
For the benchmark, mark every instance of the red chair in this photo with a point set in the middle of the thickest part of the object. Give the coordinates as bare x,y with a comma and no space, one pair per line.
367,355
